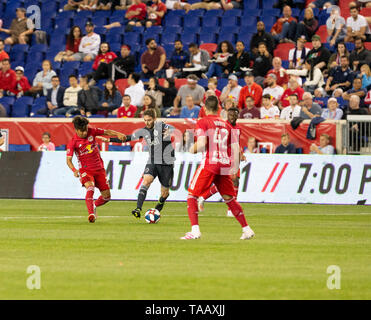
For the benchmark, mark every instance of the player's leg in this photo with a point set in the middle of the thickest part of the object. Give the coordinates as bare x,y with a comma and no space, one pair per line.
148,177
236,183
102,184
206,195
165,175
89,200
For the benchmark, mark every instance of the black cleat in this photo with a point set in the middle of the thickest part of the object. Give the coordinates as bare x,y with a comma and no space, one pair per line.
136,213
159,206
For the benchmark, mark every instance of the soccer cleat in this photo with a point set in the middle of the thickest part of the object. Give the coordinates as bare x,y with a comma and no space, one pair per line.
191,236
136,212
92,218
248,234
200,203
95,211
159,206
229,213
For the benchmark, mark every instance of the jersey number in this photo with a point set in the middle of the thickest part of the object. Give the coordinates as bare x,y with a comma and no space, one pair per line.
220,141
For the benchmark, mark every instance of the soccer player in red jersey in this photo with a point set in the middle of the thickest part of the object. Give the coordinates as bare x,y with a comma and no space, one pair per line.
219,142
91,172
233,114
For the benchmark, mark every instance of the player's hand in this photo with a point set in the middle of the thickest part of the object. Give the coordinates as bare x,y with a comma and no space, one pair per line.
122,137
76,174
243,157
104,139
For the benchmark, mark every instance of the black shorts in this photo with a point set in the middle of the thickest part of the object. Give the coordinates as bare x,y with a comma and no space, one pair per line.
164,172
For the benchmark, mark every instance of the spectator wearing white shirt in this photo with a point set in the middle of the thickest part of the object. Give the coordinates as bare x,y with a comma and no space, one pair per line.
336,27
357,26
177,5
293,110
231,90
298,54
267,109
332,112
135,89
43,79
324,145
89,45
273,89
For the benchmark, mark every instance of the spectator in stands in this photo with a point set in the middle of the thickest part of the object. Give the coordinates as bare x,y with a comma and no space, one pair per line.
126,110
122,4
54,98
72,44
21,29
320,4
307,27
360,55
135,89
357,26
251,89
268,110
208,93
153,60
22,84
293,88
178,59
89,5
177,5
284,29
319,53
292,110
234,4
273,89
73,5
279,72
220,65
354,108
298,54
121,67
105,4
341,50
89,45
3,53
364,3
88,98
324,146
366,76
262,64
70,98
199,59
261,36
105,57
340,77
240,59
43,79
336,27
286,147
190,110
169,92
309,109
47,144
153,91
212,85
155,13
356,90
251,146
314,76
148,103
136,13
250,111
231,90
110,99
206,4
332,112
191,88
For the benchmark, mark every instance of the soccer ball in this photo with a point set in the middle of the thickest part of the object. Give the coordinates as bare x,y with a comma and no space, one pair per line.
152,216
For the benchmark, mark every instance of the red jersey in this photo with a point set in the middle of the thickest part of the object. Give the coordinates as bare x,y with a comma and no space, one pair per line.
142,11
86,150
7,80
21,85
158,7
255,91
285,96
219,136
202,113
129,113
104,57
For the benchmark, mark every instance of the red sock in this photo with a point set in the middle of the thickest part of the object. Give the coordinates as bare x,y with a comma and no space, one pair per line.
101,201
210,192
89,200
237,211
192,209
236,191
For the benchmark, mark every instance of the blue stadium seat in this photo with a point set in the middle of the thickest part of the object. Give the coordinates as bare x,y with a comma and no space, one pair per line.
190,21
180,13
62,23
87,67
15,64
132,37
251,4
19,147
116,47
203,83
154,30
172,29
194,29
231,37
30,71
21,108
252,13
147,35
38,104
112,37
213,13
222,82
232,13
118,14
196,13
295,12
269,3
268,20
271,12
99,21
172,20
188,38
97,116
169,48
102,13
229,22
210,29
245,38
230,29
36,57
83,15
169,38
207,37
7,102
212,21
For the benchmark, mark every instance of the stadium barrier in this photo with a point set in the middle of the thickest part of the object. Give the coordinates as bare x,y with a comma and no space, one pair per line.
358,134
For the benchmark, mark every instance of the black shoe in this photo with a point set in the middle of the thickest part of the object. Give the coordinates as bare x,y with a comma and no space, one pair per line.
159,206
136,213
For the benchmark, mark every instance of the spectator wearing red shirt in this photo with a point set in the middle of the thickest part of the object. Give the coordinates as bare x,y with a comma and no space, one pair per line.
212,85
284,29
136,13
209,93
8,78
3,54
127,110
22,84
293,88
155,13
72,44
250,90
100,66
278,71
153,60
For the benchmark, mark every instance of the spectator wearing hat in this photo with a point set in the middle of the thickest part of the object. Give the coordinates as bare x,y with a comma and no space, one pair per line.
122,66
336,27
8,78
298,54
251,89
54,97
238,61
22,84
292,110
261,36
153,60
20,30
231,90
273,89
250,111
319,53
89,45
279,72
332,112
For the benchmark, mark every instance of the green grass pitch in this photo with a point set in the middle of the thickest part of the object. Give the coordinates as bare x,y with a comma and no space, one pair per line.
120,257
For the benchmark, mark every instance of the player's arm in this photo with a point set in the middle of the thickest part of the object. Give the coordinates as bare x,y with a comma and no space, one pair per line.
1,140
72,167
236,156
199,146
112,133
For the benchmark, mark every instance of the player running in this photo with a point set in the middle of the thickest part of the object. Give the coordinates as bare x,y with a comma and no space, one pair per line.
233,114
91,172
157,135
220,161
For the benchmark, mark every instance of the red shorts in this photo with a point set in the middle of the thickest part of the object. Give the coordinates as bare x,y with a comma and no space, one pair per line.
99,178
203,179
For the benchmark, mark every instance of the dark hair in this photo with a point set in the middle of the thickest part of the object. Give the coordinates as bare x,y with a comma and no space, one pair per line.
80,123
229,46
107,95
267,96
234,109
1,40
294,95
155,79
53,77
241,42
135,76
85,78
344,57
312,63
109,48
46,134
148,41
126,95
72,76
153,101
70,38
343,43
212,104
178,41
6,59
171,82
355,39
150,113
353,7
192,45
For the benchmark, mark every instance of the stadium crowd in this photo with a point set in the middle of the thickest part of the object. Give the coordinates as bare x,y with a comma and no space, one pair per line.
327,74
